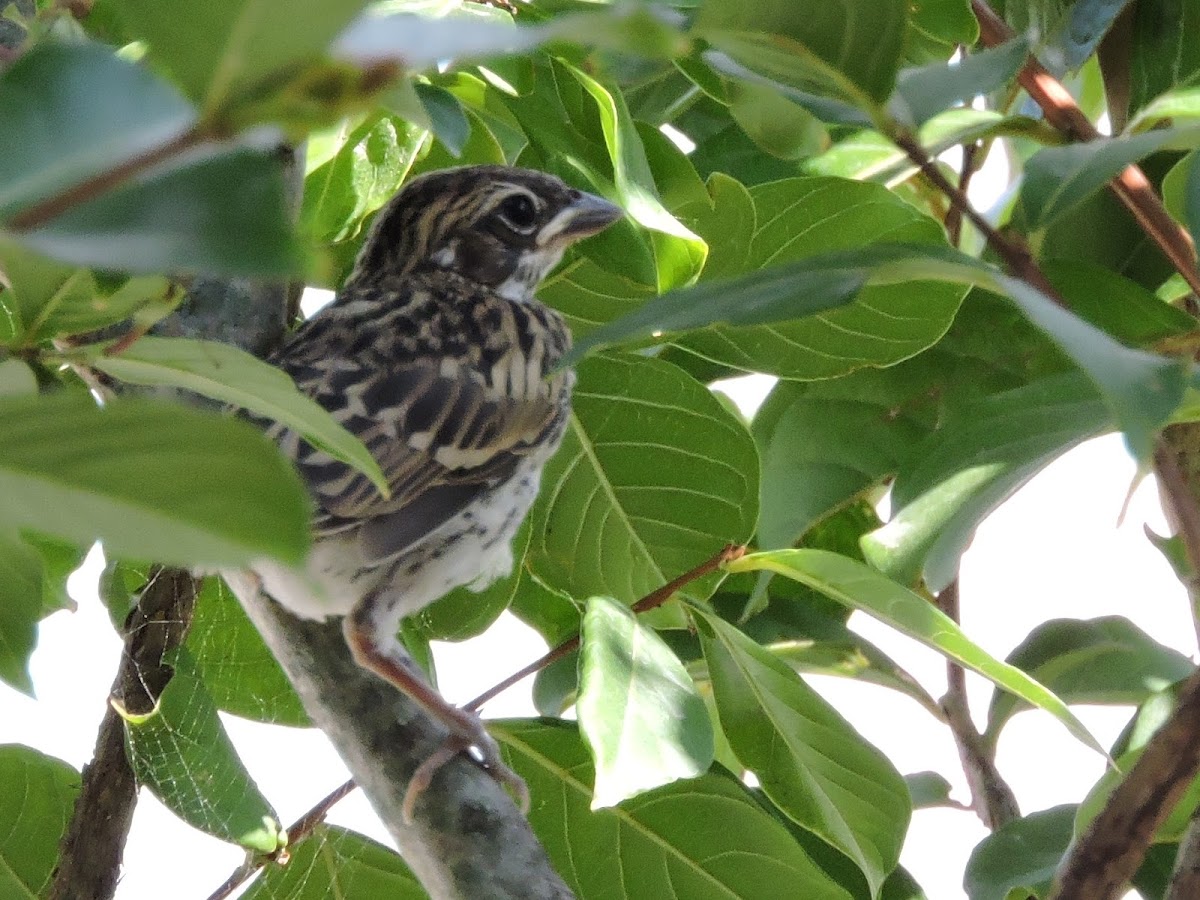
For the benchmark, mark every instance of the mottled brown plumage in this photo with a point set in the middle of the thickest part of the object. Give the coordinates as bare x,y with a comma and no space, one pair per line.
437,355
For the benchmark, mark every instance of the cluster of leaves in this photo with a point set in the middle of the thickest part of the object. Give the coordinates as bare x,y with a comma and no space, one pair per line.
793,237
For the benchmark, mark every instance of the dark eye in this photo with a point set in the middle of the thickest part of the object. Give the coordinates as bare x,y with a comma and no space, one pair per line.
519,211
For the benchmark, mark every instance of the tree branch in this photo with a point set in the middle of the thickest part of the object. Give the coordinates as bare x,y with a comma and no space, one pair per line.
1131,187
90,853
1110,851
991,797
467,839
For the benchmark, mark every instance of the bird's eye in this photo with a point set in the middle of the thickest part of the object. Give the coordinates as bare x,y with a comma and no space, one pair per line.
519,211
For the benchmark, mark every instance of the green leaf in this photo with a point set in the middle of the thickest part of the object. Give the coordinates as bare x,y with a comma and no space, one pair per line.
974,462
1162,55
638,709
774,123
226,373
234,47
223,214
653,477
1106,660
150,479
679,252
182,753
809,760
923,93
72,112
928,789
446,115
239,672
36,805
337,862
861,587
857,42
49,299
946,22
367,168
785,234
60,559
1020,857
1057,179
702,838
20,608
822,443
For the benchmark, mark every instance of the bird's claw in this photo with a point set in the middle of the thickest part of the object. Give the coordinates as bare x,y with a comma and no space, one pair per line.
467,731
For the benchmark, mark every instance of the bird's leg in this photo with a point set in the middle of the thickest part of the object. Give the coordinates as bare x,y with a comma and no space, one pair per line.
466,728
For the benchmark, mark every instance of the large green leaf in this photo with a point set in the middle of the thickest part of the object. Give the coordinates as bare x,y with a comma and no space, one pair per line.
36,804
824,442
238,670
226,373
1141,389
809,760
861,587
233,47
336,862
150,479
848,50
222,214
974,462
1021,857
653,477
72,112
1107,660
638,708
702,838
21,592
786,235
181,752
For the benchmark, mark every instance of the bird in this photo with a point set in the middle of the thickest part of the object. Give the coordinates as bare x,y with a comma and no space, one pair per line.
438,356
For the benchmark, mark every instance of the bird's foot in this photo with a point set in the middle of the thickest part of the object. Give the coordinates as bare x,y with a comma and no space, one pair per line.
467,733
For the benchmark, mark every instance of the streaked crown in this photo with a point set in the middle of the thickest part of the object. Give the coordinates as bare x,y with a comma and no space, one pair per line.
497,226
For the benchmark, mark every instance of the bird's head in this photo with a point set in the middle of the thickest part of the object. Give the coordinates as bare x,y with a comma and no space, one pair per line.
497,226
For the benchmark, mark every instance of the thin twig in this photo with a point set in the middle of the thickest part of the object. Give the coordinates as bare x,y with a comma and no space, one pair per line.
991,797
1131,186
652,600
953,221
41,213
297,832
1015,255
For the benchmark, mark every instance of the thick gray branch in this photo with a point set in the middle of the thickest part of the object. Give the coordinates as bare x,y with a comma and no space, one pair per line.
468,841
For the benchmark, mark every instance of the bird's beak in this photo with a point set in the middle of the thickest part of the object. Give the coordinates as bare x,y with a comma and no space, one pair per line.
583,217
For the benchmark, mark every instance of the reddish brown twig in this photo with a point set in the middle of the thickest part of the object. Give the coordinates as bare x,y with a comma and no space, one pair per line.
1131,187
41,213
297,832
652,600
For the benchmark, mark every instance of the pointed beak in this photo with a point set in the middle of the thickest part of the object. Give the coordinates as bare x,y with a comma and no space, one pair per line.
586,215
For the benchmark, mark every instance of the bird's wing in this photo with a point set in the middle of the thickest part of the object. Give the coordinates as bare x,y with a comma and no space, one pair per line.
441,434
